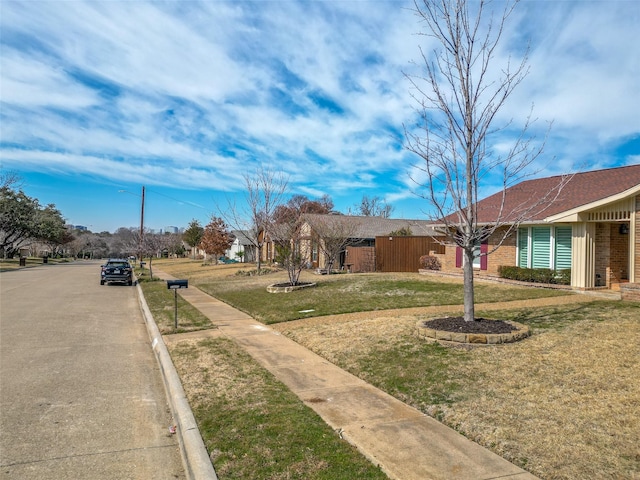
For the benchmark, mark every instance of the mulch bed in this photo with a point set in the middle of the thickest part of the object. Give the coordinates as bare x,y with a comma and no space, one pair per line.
479,325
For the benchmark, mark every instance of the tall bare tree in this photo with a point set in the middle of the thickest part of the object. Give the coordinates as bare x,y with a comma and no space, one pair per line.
265,191
459,93
373,207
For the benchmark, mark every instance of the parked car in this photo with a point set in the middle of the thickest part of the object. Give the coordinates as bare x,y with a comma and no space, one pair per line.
116,270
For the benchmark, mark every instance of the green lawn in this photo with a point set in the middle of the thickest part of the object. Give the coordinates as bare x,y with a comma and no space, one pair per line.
357,293
161,302
253,426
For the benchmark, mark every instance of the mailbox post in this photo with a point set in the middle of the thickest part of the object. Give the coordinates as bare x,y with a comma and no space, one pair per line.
175,285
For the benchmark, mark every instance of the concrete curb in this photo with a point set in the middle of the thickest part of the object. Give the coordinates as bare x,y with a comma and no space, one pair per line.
195,458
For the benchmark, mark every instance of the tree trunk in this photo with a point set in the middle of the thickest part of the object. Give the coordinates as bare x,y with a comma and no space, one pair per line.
259,259
469,307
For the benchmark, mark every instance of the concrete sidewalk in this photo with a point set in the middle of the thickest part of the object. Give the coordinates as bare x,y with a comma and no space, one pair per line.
405,443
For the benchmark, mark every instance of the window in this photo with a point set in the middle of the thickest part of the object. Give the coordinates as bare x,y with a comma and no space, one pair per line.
563,248
479,256
476,255
541,247
523,247
544,247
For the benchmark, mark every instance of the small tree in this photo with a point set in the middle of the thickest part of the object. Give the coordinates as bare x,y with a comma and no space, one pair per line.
216,238
333,233
173,243
458,99
151,246
286,237
265,190
193,234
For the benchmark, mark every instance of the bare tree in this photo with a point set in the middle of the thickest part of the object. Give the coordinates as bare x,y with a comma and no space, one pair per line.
459,95
287,240
373,207
172,243
265,191
151,246
300,204
333,233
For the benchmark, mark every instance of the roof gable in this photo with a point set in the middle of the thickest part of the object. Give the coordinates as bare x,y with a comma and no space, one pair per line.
581,189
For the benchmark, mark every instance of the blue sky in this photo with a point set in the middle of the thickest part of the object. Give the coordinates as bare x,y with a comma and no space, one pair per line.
186,97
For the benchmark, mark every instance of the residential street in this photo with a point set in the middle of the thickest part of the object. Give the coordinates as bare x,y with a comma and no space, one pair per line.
81,395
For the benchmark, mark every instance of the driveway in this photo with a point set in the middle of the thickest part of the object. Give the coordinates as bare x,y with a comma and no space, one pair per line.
81,395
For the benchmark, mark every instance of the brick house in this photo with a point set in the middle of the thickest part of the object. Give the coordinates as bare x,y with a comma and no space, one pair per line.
357,251
592,227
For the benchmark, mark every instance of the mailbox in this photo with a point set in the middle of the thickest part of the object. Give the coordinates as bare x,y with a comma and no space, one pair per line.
175,284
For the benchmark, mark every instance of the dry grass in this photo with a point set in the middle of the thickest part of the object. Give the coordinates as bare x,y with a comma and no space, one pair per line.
563,404
195,269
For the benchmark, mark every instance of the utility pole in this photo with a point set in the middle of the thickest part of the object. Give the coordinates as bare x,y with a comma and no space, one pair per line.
141,226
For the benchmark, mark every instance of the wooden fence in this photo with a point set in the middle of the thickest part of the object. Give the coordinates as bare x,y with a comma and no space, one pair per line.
402,254
360,259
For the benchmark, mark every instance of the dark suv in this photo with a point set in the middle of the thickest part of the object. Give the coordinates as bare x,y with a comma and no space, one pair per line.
116,270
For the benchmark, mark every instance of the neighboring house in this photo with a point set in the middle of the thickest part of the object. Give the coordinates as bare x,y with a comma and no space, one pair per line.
356,252
241,243
592,227
193,252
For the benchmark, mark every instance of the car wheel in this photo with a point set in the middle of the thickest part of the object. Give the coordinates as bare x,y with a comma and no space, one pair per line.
101,282
130,282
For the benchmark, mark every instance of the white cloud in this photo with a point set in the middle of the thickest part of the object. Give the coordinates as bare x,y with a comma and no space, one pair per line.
29,81
187,92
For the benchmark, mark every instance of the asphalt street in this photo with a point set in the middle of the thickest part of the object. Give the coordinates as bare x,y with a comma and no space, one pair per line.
81,394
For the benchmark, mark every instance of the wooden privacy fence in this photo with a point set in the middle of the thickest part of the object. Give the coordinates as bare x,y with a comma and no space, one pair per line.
360,259
402,254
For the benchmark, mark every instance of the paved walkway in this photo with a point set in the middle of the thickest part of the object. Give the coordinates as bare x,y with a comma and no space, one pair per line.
404,442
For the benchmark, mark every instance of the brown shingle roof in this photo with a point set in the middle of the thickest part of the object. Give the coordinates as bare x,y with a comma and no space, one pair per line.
581,189
371,227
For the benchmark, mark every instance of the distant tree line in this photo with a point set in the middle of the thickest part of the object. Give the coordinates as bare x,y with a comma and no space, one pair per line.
23,220
27,226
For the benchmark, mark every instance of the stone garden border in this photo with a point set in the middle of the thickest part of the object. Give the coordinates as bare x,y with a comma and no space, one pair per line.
473,338
289,288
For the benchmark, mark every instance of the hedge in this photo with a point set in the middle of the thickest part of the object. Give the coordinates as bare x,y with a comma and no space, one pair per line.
536,275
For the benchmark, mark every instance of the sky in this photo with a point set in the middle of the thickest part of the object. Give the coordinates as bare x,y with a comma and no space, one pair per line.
186,98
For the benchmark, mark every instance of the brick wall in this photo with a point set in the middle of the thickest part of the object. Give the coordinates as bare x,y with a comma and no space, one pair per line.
619,254
505,255
630,292
603,260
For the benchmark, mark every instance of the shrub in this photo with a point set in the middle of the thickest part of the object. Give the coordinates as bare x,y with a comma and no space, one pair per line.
429,262
536,275
563,276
